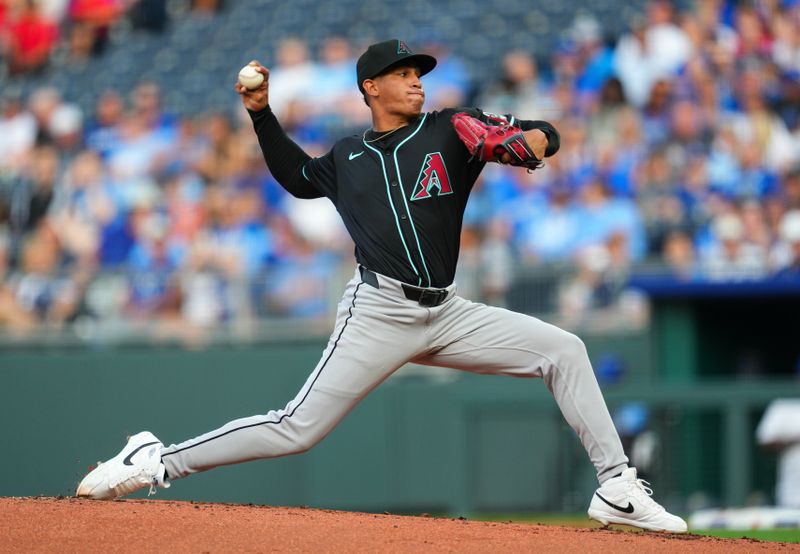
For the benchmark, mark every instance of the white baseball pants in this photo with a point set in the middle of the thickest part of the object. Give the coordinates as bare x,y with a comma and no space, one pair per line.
377,331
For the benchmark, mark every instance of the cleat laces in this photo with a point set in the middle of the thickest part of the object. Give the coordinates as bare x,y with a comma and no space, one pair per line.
642,491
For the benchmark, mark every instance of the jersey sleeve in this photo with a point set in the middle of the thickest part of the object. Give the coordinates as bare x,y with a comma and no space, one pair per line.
553,138
321,173
283,156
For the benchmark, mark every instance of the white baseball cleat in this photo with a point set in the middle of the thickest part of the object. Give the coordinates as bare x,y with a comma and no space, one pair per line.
626,500
138,465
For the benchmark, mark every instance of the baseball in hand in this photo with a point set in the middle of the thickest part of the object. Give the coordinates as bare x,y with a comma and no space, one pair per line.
250,78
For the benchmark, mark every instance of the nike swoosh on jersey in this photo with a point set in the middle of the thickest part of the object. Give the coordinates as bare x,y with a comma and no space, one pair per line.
354,156
127,461
627,509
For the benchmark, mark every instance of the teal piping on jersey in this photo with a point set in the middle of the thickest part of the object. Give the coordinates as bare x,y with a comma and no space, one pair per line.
303,170
405,201
396,219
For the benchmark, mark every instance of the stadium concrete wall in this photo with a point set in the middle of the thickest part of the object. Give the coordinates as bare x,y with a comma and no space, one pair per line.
424,441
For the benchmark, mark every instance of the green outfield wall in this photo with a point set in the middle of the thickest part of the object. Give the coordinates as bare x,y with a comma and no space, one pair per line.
430,440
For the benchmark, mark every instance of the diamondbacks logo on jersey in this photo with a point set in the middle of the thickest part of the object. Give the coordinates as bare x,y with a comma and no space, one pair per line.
432,176
402,48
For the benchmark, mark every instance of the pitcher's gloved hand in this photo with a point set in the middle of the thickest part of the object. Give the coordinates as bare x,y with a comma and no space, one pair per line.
502,143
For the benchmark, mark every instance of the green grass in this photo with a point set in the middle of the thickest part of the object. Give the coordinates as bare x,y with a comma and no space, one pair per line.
569,520
772,535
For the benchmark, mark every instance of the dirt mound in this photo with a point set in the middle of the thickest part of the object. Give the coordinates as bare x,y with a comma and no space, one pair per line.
75,525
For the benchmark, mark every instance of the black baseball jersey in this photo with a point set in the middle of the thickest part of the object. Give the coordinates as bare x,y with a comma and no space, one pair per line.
402,195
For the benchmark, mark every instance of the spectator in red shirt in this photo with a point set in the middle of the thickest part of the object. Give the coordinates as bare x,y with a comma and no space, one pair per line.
98,16
31,39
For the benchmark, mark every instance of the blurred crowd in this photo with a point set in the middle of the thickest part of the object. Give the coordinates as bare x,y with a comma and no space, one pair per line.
680,148
33,32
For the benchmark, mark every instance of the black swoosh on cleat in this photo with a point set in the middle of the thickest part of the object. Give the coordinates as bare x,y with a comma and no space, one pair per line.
627,509
127,461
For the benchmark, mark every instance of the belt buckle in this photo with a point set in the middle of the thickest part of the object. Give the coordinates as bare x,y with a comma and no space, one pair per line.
432,297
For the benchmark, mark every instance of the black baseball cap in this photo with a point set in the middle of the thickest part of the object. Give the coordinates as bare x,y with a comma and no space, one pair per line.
381,56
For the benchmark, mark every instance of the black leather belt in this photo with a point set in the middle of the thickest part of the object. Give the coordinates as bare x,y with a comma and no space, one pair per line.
424,296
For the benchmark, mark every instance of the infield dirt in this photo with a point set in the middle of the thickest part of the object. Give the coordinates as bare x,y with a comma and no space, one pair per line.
77,525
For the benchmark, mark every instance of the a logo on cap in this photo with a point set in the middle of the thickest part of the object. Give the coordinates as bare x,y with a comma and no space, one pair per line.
402,48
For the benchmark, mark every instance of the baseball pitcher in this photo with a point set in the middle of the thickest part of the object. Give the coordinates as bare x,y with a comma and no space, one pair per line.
401,189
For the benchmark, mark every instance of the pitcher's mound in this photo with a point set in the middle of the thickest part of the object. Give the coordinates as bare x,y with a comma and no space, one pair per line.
137,526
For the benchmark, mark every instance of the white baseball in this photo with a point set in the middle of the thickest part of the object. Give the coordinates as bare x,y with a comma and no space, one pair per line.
250,78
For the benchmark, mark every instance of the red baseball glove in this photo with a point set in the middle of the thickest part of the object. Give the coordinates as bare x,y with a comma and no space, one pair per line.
490,142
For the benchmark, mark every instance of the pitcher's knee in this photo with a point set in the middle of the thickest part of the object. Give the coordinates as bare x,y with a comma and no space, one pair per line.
308,439
305,443
302,445
573,351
